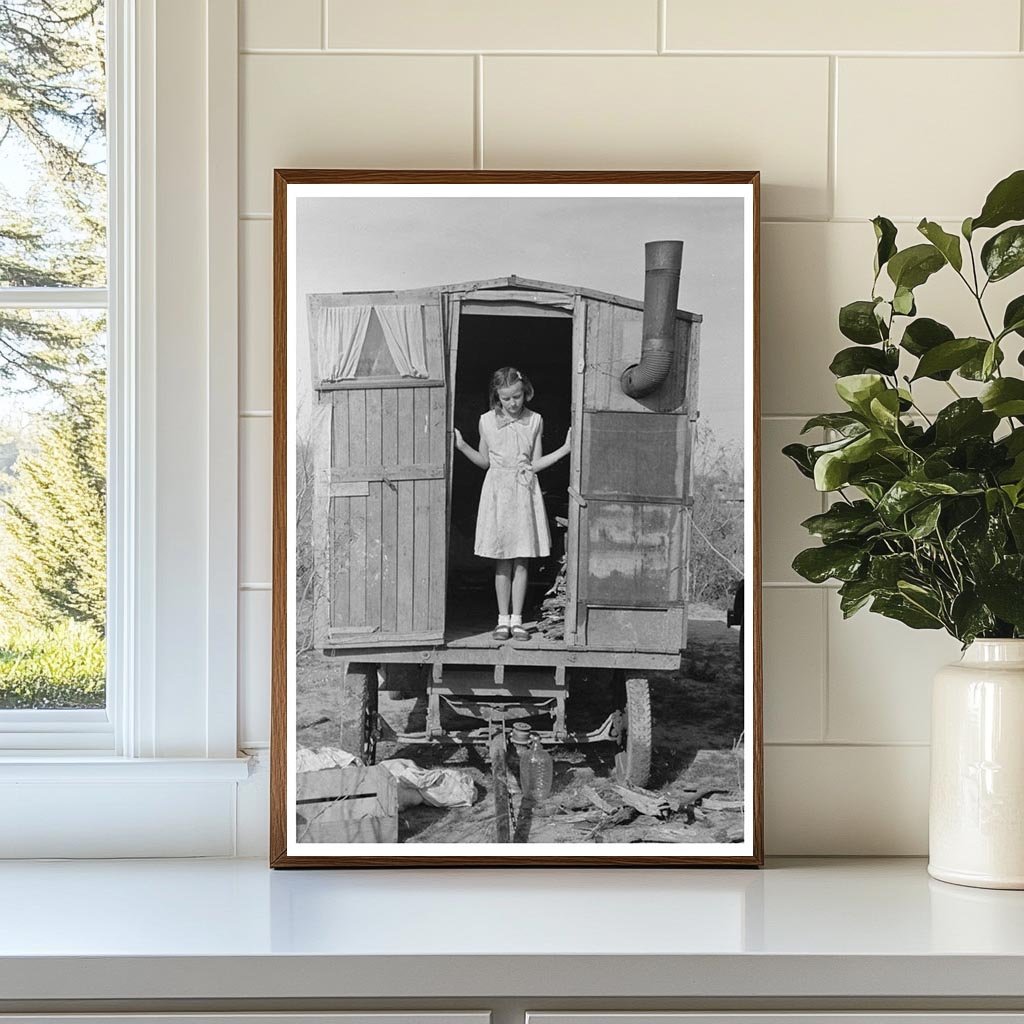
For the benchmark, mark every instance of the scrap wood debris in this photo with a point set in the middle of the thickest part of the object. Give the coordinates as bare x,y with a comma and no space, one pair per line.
551,621
654,805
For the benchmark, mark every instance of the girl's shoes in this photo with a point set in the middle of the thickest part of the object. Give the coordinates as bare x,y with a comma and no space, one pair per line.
501,633
520,633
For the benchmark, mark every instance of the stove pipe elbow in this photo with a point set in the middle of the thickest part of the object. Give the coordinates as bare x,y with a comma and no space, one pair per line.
664,261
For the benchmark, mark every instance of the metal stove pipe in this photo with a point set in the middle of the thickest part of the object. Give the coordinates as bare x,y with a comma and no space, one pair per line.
664,262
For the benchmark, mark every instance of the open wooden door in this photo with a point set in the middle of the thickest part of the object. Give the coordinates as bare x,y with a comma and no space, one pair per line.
630,520
380,456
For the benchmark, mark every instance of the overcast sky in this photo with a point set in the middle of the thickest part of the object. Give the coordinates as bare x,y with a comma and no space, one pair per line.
369,244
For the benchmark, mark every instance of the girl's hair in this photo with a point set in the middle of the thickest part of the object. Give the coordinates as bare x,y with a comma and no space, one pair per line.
505,378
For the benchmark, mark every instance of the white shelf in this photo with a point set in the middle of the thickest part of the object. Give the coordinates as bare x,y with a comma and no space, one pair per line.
233,929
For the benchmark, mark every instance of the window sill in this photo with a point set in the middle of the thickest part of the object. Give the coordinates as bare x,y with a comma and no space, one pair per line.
76,766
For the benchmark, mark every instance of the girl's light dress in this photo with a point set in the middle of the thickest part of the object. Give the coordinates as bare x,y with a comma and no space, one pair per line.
511,522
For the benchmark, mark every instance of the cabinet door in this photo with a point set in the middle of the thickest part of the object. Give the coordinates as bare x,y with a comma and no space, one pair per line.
360,1017
785,1017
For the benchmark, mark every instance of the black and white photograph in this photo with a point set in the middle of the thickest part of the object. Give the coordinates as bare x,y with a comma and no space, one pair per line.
516,564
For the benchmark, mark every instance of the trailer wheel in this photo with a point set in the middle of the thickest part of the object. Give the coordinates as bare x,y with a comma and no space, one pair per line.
633,764
359,711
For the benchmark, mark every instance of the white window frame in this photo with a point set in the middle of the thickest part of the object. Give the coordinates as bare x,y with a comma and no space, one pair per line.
170,729
64,730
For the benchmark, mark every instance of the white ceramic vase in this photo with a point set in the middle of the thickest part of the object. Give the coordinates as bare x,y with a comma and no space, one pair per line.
976,813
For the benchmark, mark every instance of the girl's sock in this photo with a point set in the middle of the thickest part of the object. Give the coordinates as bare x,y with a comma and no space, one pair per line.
515,620
504,620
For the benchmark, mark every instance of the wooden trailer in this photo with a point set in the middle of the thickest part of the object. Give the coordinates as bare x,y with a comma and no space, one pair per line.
394,579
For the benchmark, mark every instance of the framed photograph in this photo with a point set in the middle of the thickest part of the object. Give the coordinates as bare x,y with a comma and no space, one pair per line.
516,615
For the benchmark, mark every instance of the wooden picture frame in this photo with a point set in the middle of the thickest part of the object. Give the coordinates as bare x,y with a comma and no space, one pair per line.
396,294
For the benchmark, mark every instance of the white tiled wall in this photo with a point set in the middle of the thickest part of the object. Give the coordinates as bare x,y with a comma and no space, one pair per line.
910,109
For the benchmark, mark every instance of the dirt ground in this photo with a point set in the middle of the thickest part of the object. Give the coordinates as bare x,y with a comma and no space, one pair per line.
697,718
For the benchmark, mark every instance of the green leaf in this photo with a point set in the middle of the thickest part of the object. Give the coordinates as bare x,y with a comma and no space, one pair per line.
1005,202
865,446
840,561
843,521
799,455
831,471
858,389
885,237
850,361
1004,397
912,267
841,421
1013,317
900,609
923,335
818,450
949,355
966,417
1014,441
854,594
1015,518
991,360
970,617
857,321
903,302
1015,494
963,482
906,494
974,368
1005,597
872,491
994,498
947,244
965,229
925,518
1003,254
885,409
887,570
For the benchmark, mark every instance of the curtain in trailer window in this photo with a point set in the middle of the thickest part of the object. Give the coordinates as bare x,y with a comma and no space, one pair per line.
341,335
403,332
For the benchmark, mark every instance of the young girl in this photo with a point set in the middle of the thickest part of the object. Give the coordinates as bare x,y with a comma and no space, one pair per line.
511,525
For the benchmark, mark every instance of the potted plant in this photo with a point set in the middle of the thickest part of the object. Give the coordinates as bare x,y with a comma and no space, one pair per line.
927,521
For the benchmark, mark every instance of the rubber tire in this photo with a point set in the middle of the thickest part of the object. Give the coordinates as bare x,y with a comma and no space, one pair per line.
359,710
633,765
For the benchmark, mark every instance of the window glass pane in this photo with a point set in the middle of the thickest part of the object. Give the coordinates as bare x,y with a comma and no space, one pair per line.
375,360
52,509
53,151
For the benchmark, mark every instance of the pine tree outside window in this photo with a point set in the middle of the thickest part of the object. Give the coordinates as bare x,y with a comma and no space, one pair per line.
53,364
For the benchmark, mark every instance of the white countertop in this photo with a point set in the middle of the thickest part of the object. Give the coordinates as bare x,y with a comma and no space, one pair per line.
235,929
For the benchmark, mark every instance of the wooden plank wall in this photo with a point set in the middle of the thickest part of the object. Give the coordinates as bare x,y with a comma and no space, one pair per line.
380,524
614,334
387,547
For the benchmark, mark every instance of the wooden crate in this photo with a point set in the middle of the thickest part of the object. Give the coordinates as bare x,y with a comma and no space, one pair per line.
354,804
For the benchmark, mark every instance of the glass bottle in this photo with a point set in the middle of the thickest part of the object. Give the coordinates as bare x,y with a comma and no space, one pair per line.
536,772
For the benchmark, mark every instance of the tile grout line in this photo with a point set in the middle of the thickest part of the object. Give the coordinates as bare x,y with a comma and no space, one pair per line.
662,27
851,744
323,24
1020,25
824,723
831,171
336,51
478,111
798,585
826,649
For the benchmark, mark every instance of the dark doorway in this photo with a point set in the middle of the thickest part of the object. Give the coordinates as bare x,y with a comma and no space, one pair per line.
541,348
